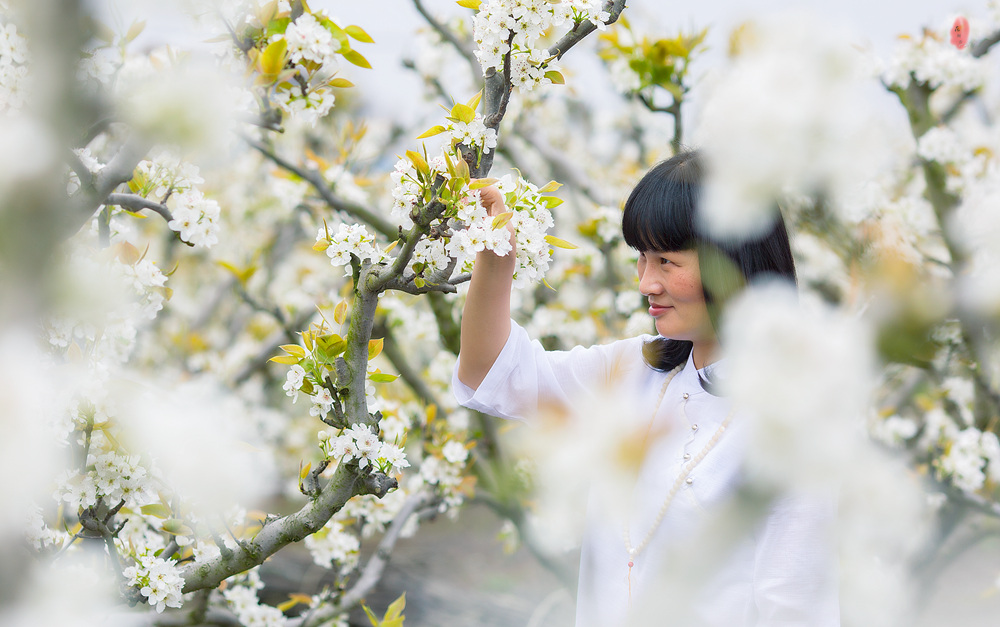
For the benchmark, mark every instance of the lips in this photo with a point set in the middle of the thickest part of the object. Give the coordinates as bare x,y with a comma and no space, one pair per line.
657,310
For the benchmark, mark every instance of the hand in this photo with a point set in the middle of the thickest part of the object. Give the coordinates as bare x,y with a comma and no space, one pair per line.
492,200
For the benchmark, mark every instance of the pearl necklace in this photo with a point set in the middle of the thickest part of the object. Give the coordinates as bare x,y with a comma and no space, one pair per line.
633,552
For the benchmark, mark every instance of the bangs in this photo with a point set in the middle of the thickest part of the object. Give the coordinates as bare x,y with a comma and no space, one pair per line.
659,213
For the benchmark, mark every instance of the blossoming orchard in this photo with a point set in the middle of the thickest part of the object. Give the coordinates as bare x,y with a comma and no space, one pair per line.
230,298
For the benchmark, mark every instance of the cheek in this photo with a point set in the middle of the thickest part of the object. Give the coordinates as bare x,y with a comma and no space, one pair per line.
688,289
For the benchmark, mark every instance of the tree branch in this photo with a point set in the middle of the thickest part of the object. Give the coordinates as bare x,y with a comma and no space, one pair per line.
983,46
117,171
270,346
136,203
348,481
575,36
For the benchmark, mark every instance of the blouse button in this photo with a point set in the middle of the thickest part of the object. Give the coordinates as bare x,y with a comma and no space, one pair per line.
689,480
694,427
686,395
687,456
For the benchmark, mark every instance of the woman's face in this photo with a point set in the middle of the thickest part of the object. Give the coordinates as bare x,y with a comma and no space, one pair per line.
671,282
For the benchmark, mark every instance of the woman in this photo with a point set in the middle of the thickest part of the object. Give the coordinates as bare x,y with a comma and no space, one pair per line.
782,573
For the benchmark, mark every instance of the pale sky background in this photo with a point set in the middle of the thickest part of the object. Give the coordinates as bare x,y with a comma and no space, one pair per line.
392,23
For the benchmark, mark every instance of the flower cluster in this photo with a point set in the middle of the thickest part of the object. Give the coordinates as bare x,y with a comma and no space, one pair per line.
443,465
13,68
298,59
195,218
333,544
242,599
359,443
934,61
971,455
473,134
530,219
350,240
522,23
163,173
111,477
133,291
158,580
312,49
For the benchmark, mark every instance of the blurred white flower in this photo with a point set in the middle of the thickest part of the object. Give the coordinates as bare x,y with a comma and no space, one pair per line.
789,115
192,103
199,440
804,374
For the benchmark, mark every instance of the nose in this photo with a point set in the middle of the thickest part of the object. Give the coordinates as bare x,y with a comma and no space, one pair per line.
649,283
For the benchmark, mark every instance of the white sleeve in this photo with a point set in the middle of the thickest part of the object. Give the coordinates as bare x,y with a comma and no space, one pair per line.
795,576
525,374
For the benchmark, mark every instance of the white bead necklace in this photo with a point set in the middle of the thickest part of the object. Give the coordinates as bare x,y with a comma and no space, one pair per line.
633,552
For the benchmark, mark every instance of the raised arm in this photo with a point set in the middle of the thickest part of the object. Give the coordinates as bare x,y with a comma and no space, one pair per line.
486,317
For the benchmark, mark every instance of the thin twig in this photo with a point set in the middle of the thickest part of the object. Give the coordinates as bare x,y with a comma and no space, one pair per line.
578,33
373,570
450,37
135,203
314,178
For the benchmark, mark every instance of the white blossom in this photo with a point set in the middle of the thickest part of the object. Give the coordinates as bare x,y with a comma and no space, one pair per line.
158,580
803,376
790,115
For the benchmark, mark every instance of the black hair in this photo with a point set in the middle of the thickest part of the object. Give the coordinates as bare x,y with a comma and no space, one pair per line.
661,214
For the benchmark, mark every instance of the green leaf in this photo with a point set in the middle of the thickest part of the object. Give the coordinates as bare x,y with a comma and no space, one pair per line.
340,312
135,30
332,345
102,31
481,183
552,201
375,348
277,27
396,609
502,219
463,112
273,58
549,187
418,162
359,33
432,131
470,4
371,617
341,83
241,275
355,57
294,349
288,360
462,169
382,377
474,101
177,527
556,77
156,509
559,243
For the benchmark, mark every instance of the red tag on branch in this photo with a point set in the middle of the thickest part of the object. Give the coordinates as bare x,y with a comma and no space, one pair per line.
960,32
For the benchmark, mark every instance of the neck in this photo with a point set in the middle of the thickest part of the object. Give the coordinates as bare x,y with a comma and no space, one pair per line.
704,353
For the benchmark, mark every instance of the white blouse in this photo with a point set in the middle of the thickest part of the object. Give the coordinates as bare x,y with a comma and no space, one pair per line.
782,575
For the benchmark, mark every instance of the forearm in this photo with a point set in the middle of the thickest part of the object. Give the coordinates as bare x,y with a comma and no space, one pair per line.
486,317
